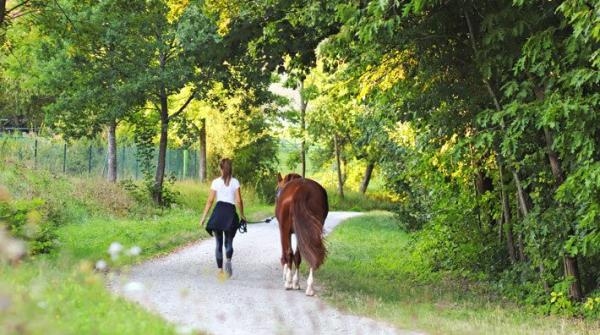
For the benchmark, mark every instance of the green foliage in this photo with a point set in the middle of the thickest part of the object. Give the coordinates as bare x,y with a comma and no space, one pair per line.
500,182
255,166
591,306
26,220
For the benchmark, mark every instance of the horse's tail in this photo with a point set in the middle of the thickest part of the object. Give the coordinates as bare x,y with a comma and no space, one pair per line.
308,227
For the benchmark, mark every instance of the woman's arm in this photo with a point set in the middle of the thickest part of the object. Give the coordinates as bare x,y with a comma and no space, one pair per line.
209,203
239,203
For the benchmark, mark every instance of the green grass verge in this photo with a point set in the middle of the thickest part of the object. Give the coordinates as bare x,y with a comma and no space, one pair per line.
50,297
358,202
60,293
369,271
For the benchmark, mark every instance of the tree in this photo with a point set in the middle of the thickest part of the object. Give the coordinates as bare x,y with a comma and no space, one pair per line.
94,70
278,36
187,50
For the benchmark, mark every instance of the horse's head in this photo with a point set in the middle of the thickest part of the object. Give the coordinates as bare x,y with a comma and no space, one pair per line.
281,181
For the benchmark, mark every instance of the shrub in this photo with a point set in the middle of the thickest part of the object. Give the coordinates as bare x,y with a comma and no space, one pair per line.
27,220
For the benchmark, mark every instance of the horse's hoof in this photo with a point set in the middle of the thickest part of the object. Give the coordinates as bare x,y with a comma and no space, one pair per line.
310,293
297,287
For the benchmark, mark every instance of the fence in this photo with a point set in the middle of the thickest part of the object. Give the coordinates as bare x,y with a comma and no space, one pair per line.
89,158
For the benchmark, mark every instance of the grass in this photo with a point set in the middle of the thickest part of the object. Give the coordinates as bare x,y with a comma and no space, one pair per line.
59,297
368,271
356,201
90,240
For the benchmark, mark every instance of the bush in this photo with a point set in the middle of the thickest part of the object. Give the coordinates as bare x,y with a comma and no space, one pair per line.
27,220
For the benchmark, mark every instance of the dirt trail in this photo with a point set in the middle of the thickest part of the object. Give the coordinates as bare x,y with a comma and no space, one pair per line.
184,288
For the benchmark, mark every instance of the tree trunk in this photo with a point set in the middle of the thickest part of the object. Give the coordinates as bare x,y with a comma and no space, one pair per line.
112,152
572,270
506,213
367,177
202,158
339,166
303,105
520,245
569,262
2,11
525,206
483,184
162,148
553,158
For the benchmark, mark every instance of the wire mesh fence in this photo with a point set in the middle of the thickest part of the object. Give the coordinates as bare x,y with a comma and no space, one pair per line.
89,158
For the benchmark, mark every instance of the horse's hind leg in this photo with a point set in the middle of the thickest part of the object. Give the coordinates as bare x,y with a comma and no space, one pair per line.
309,284
287,264
287,273
296,278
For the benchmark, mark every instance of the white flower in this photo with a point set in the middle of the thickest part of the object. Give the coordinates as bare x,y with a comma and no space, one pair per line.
101,265
134,251
114,250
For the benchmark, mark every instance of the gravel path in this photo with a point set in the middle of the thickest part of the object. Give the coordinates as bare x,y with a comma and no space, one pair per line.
184,288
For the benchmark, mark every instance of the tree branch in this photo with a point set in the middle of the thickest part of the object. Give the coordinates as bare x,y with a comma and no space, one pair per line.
65,14
185,104
15,7
474,46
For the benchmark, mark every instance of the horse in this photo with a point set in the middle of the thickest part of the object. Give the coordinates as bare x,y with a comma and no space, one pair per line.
301,209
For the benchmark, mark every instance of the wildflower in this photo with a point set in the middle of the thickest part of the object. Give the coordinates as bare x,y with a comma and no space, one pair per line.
101,265
134,251
114,250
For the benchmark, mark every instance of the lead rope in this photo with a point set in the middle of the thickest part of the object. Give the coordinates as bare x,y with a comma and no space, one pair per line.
244,224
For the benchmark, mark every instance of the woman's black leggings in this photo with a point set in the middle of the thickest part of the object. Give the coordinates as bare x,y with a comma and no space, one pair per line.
229,235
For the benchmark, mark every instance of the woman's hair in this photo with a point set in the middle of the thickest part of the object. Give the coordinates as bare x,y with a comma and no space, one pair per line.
226,169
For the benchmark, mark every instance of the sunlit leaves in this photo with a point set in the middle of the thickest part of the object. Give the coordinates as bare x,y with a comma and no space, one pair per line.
389,72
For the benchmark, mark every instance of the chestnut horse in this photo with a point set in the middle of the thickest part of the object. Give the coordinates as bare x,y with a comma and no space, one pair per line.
301,209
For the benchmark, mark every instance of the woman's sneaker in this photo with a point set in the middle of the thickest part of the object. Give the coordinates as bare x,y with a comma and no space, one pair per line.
228,269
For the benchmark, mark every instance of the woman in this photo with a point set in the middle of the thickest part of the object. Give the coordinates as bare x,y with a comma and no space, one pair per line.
224,221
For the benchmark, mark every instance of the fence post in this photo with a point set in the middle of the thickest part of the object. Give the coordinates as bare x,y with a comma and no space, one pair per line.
65,158
35,152
122,162
185,163
137,163
90,160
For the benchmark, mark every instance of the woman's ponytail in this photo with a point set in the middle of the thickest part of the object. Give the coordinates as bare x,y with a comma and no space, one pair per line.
226,168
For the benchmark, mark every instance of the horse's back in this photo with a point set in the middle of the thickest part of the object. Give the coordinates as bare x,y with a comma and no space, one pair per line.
307,191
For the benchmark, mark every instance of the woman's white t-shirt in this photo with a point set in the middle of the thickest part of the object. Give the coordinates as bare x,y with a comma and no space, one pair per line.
225,193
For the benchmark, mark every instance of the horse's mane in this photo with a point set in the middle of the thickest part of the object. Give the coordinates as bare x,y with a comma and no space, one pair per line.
291,176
